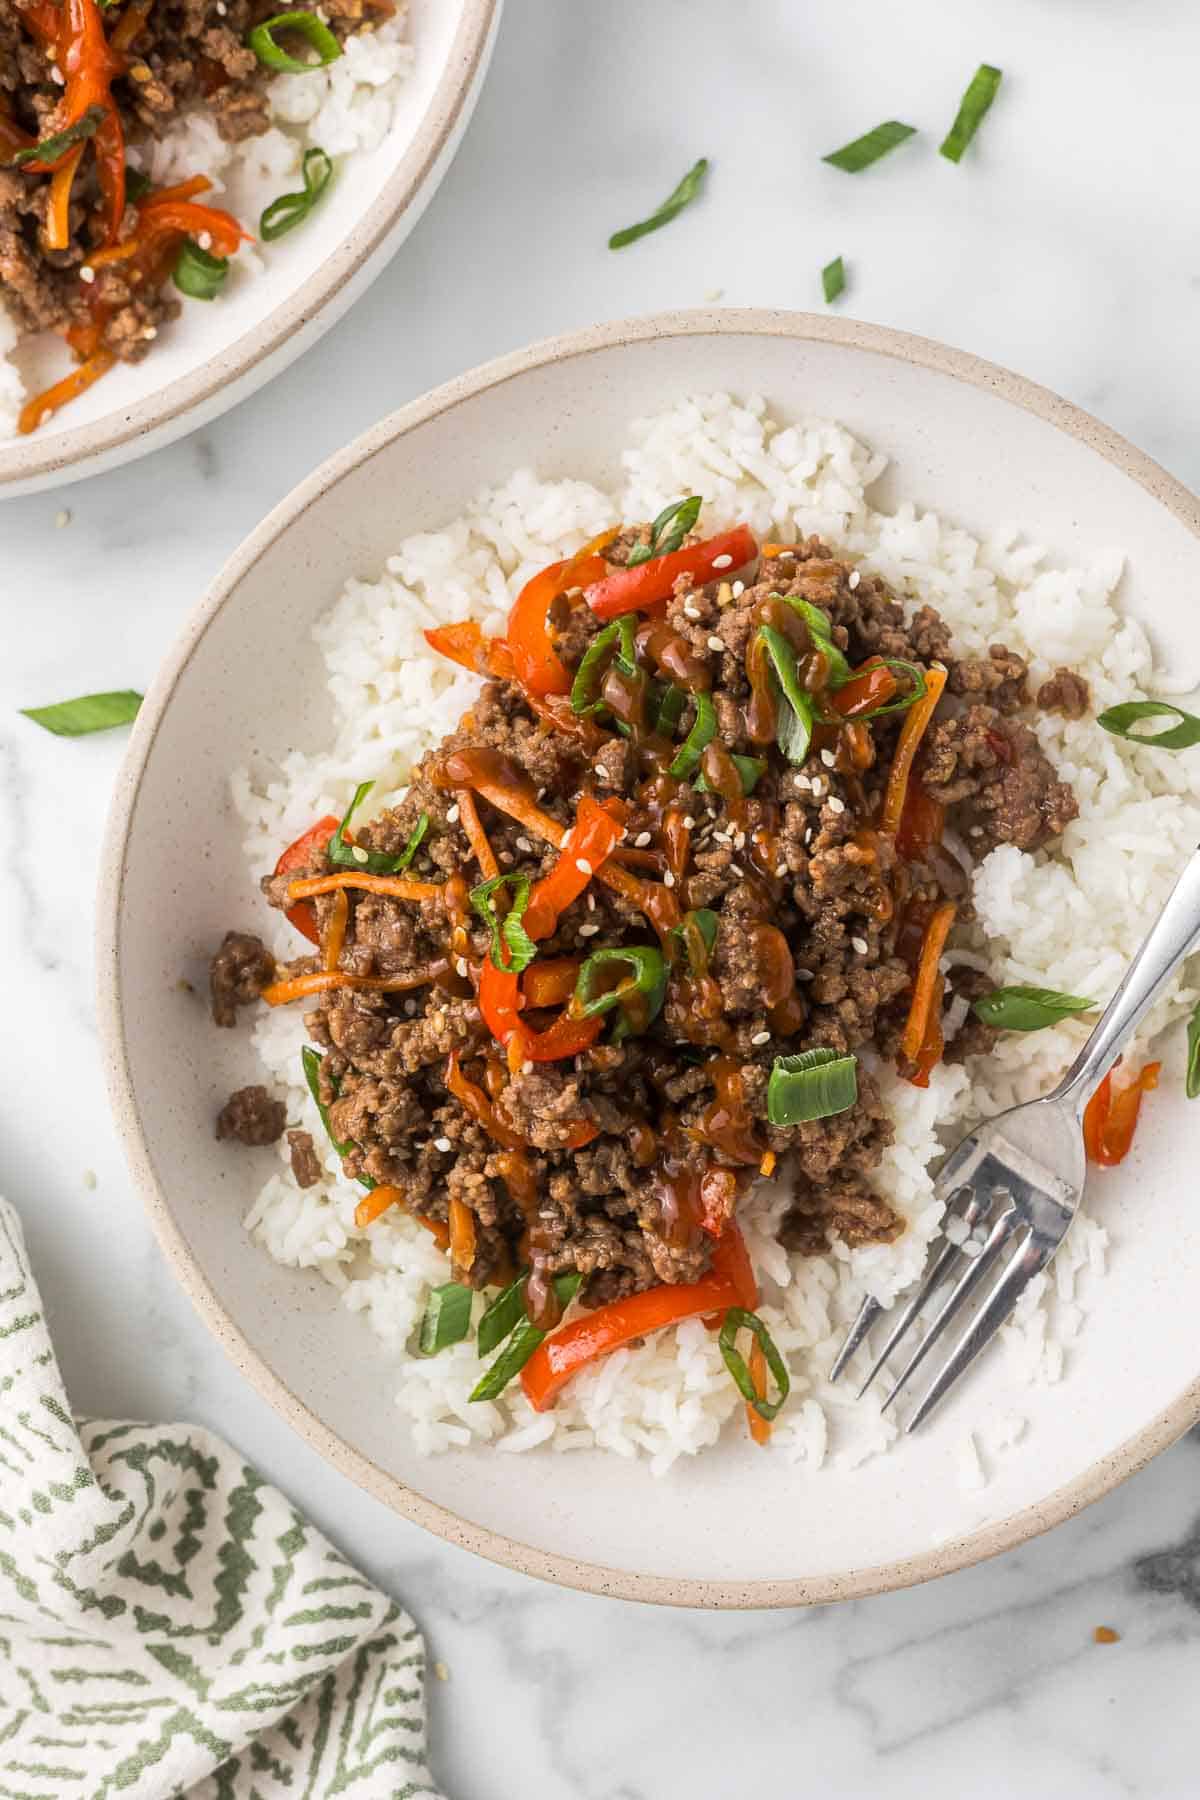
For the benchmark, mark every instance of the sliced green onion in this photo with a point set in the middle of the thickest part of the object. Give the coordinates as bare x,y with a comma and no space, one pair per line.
1120,720
681,515
640,995
670,710
670,209
198,273
794,728
704,730
749,768
290,210
738,1319
615,644
865,150
522,1344
51,148
902,702
1028,1008
971,112
504,1312
447,1318
814,1085
512,947
820,631
833,280
371,862
310,1061
313,30
707,924
1193,1055
137,185
91,712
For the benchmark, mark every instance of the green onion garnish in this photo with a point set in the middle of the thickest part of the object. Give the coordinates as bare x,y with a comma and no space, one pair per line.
738,1319
51,148
814,1085
503,1313
833,280
971,111
522,1344
1028,1008
903,701
371,862
198,273
870,147
290,210
615,644
704,730
707,924
670,209
640,995
447,1318
310,1061
512,947
681,515
1193,1055
313,30
91,712
749,768
1120,720
670,710
820,631
794,726
137,185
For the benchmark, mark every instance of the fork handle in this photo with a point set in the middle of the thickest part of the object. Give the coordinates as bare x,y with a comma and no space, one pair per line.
1174,935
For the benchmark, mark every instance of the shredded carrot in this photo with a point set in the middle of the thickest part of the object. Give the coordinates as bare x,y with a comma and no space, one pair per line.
37,410
760,1428
462,1233
773,550
321,981
481,850
58,210
335,930
376,1202
130,24
582,1134
916,719
767,1168
398,886
927,985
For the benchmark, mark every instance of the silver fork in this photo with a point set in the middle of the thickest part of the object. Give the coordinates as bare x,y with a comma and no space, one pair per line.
1013,1187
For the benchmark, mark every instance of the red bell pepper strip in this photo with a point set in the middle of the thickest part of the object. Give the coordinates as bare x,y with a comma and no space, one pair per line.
550,981
465,644
871,686
649,583
591,840
500,1002
475,1101
535,659
921,823
559,1357
1112,1114
921,1045
89,65
308,849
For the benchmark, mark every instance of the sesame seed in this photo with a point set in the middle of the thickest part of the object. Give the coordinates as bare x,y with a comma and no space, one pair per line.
836,805
734,870
62,518
583,865
721,837
668,879
527,1068
461,965
722,562
781,871
689,824
204,239
588,930
541,793
690,611
739,588
642,839
855,579
817,789
57,75
808,835
87,274
716,643
859,944
360,855
505,856
761,1037
442,1144
739,840
803,782
591,902
523,843
410,1007
828,758
805,975
452,815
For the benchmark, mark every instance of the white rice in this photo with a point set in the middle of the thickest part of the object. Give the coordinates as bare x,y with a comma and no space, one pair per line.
345,107
1069,921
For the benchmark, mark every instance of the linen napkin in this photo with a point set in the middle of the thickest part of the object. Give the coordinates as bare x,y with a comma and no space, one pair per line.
169,1625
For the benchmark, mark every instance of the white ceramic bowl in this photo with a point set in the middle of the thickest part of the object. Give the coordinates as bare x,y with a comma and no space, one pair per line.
734,1527
219,354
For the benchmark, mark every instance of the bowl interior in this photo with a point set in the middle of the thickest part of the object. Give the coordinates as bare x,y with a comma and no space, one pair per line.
247,686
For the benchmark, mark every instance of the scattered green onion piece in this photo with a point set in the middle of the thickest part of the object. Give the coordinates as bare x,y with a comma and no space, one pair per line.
738,1319
137,185
1028,1008
902,702
793,731
91,712
371,862
1120,720
290,210
1193,1055
51,148
310,1061
640,996
749,768
521,1345
615,644
670,710
198,273
681,515
447,1318
814,1085
833,280
704,730
505,1311
670,209
313,30
820,631
865,150
971,112
707,924
512,947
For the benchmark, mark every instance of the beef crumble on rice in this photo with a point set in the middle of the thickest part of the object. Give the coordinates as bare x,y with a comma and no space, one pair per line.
772,758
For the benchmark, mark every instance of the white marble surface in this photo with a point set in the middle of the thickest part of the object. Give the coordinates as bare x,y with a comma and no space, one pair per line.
1065,246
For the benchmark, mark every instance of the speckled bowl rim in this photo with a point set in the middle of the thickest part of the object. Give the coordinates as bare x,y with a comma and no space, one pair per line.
958,1553
22,461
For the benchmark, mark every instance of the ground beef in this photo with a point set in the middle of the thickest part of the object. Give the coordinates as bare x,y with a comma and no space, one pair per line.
306,1167
997,772
1001,678
1066,693
239,972
251,1116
